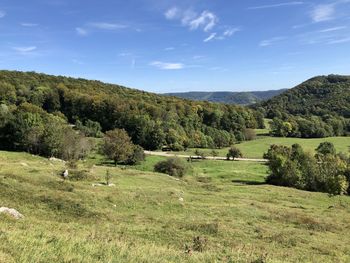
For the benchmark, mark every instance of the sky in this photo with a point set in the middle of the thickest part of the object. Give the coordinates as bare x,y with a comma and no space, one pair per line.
178,45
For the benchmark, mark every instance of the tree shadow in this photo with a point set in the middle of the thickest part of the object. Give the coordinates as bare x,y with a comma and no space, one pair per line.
247,182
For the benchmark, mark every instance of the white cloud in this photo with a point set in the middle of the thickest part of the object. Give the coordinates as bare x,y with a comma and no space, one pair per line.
172,13
340,41
226,34
211,37
205,21
81,31
24,50
271,41
276,5
331,29
169,48
231,31
29,24
125,54
198,57
2,13
166,65
107,26
323,12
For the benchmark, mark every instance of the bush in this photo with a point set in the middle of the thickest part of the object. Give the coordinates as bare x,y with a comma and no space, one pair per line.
200,154
326,148
249,134
172,167
137,156
234,152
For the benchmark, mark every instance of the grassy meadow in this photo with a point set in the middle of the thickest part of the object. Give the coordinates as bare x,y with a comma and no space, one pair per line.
256,148
151,217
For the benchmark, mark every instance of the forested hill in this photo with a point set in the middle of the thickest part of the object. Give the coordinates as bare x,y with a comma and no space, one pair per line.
151,120
318,107
239,98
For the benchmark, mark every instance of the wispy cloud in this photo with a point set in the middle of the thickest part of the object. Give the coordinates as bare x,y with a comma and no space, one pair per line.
2,13
25,50
95,26
323,12
209,38
276,5
231,31
340,40
81,31
332,29
172,13
125,54
271,41
222,36
169,48
167,65
205,20
29,24
107,26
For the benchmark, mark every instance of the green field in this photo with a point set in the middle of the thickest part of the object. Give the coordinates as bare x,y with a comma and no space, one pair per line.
142,218
256,148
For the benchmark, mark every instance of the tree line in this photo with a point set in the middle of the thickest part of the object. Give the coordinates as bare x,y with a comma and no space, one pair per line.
326,171
38,111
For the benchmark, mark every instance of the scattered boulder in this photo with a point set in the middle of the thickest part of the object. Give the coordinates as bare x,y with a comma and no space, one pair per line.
94,185
65,174
53,159
12,212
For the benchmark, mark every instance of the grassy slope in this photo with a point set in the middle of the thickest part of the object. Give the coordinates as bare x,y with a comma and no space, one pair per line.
142,220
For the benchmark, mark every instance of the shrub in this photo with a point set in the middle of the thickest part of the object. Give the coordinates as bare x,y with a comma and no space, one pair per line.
78,175
234,152
326,148
137,156
172,167
200,154
249,134
117,146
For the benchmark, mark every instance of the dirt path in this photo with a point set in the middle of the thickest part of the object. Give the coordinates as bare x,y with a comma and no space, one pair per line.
167,154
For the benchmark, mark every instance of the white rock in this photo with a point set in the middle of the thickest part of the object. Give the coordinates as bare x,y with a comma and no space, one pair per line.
24,164
56,160
12,212
181,199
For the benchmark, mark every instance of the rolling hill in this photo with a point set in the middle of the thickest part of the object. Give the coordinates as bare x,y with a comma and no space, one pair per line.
318,107
151,120
239,98
318,96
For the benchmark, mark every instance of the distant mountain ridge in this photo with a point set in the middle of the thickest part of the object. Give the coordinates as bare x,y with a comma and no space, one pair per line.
239,98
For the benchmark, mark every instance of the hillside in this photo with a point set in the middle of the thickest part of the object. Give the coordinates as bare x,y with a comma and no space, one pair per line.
317,96
239,98
151,120
142,218
319,107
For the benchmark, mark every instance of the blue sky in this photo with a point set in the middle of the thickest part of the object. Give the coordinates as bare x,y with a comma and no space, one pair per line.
183,45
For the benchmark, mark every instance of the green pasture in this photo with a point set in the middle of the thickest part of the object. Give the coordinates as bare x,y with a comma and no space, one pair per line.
221,211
